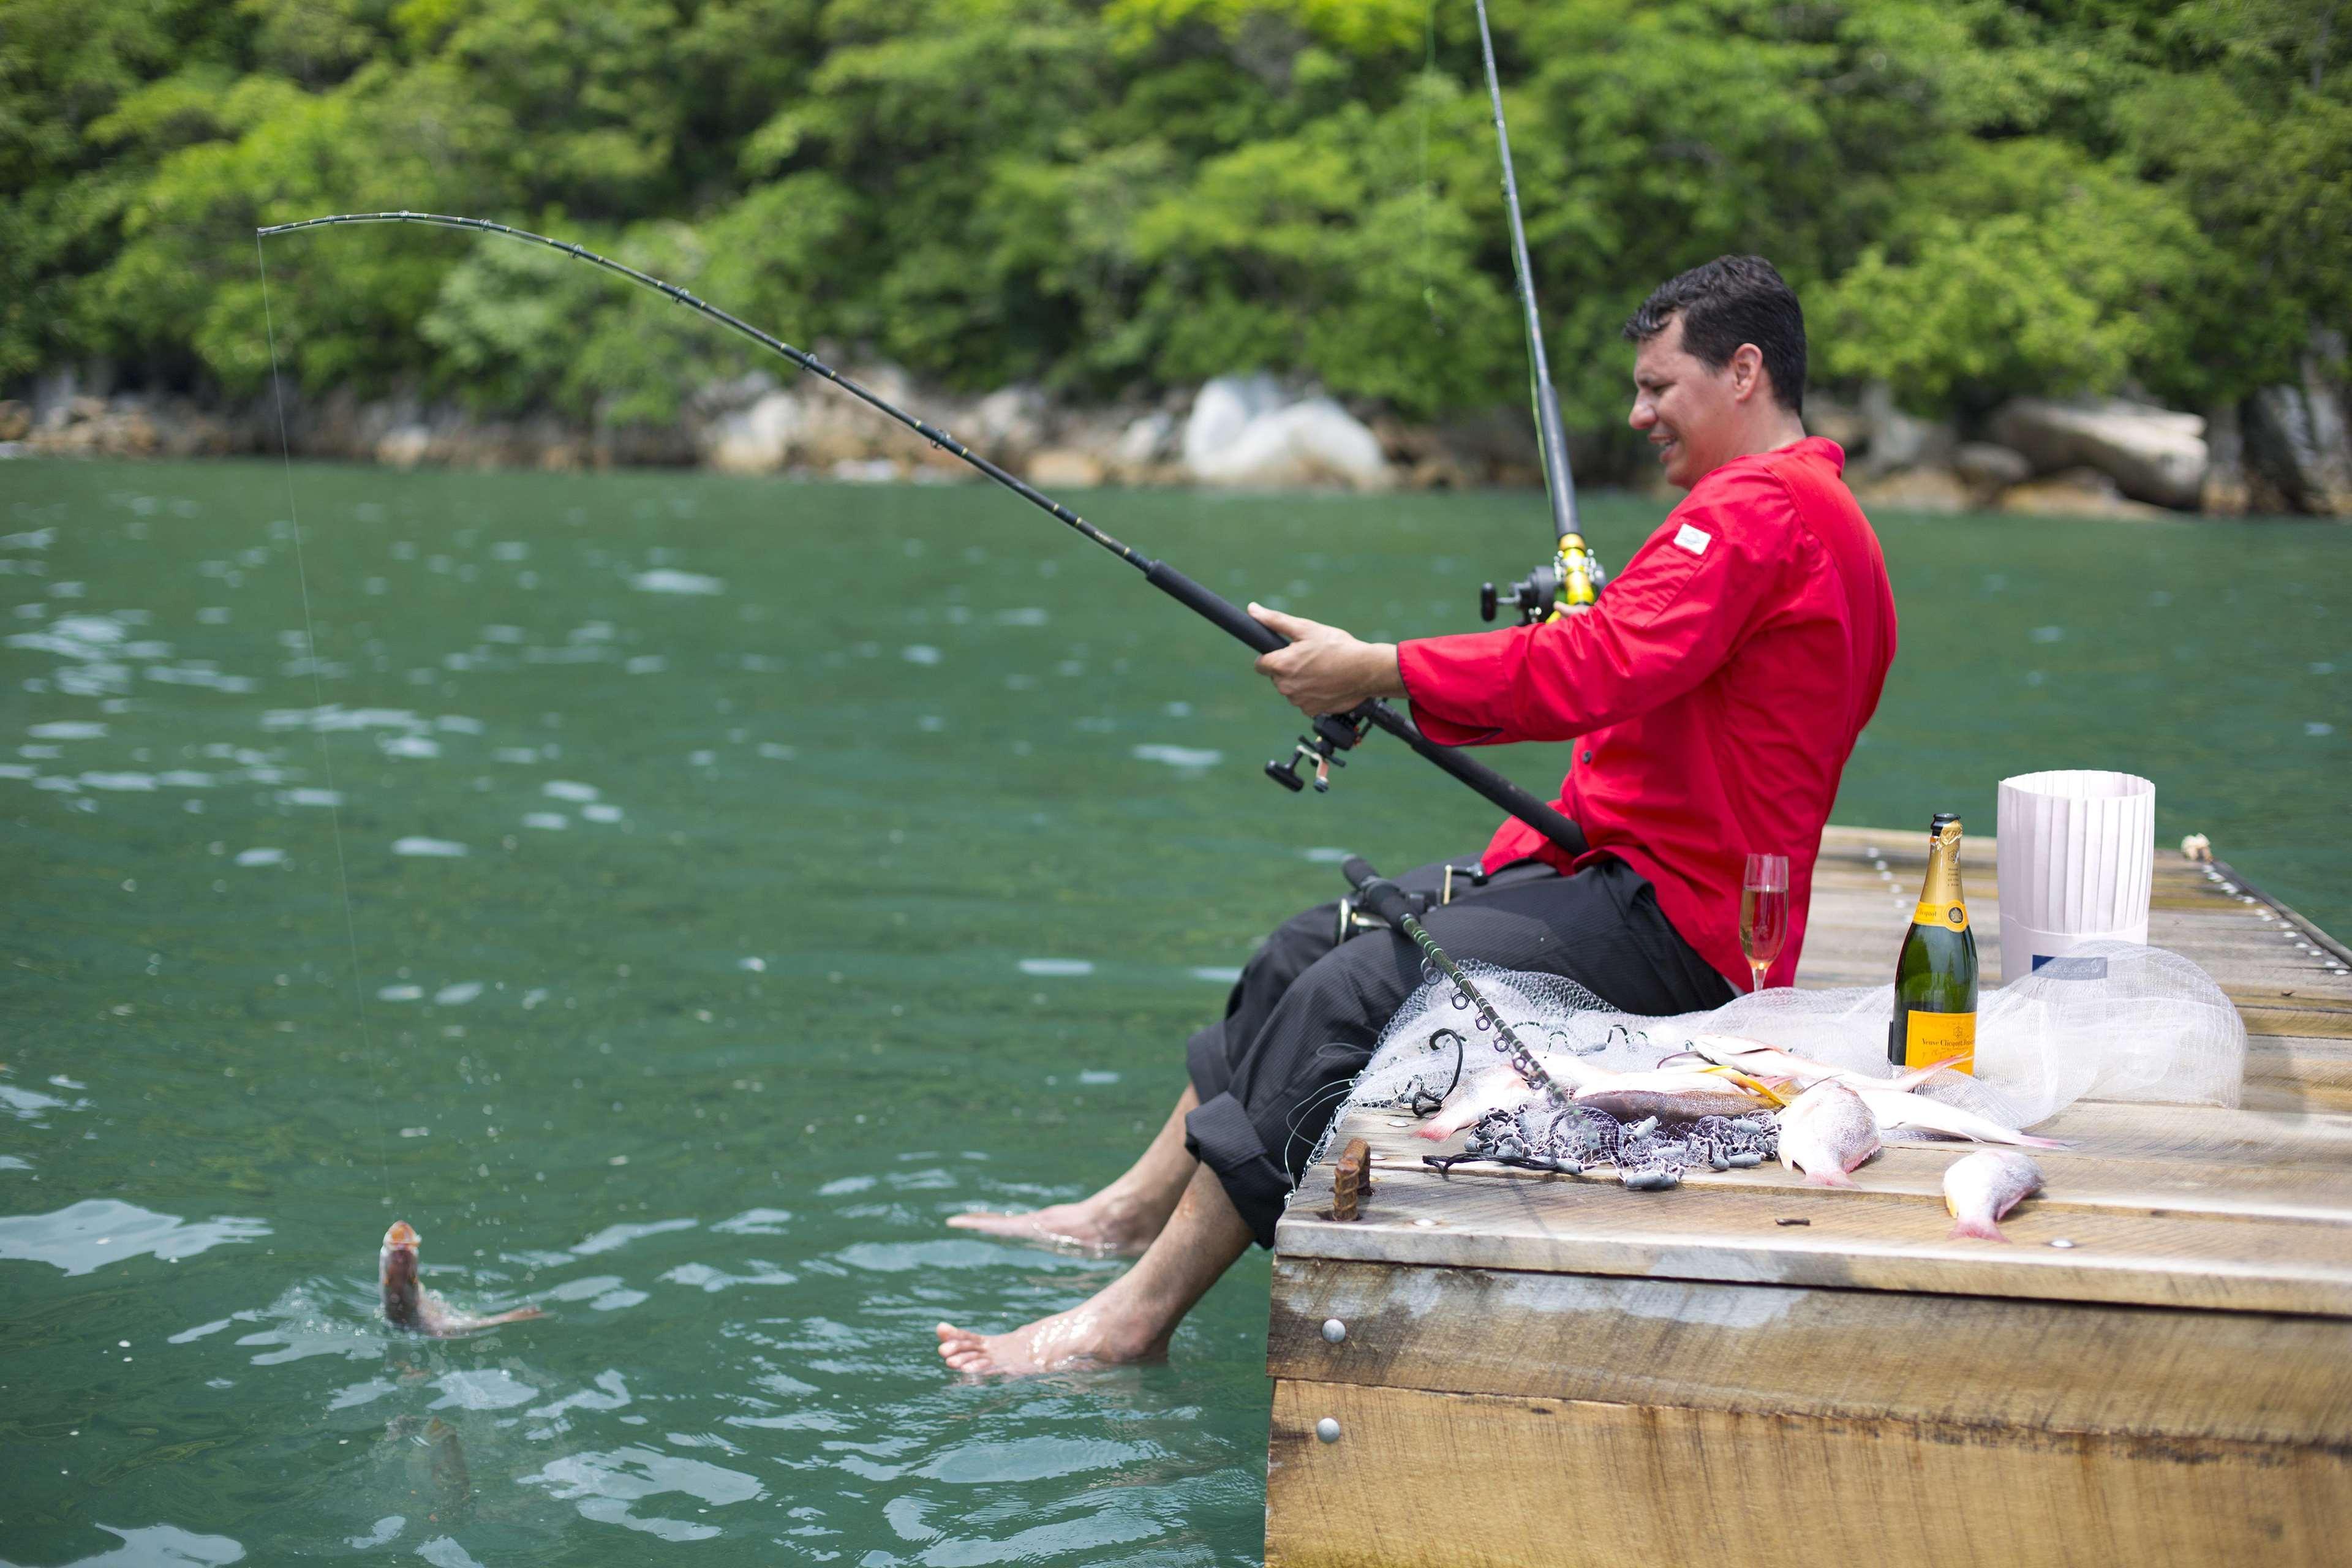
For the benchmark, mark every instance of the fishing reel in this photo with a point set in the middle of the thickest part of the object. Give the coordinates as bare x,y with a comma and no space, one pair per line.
1354,918
1569,580
1334,734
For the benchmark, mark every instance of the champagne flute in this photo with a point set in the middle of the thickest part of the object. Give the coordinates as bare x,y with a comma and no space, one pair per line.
1764,911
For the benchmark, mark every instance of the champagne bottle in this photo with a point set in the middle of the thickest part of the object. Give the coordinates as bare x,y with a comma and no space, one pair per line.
1936,972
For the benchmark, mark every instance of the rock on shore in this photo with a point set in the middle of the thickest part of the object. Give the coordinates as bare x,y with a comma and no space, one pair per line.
2152,454
1246,432
2287,448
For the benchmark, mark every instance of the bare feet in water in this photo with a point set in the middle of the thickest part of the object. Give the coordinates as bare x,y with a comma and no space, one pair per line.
1103,1226
1088,1335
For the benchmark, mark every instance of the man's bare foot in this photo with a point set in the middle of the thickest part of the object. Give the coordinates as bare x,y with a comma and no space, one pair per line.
1103,1226
1086,1336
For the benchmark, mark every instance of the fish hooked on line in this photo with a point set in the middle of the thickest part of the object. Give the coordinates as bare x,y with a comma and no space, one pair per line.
407,1304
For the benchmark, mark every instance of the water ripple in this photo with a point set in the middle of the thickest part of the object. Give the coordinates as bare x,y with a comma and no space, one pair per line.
86,1237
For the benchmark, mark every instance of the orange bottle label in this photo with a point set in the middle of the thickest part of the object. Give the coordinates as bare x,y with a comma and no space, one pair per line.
1929,1037
1951,917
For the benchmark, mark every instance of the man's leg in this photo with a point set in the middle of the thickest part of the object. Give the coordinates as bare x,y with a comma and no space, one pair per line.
1121,1220
1131,1318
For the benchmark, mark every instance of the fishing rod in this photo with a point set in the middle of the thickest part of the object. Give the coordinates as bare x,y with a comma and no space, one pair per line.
1333,732
1574,575
1396,906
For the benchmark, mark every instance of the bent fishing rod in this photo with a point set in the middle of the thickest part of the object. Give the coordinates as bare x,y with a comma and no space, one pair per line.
1573,576
1333,732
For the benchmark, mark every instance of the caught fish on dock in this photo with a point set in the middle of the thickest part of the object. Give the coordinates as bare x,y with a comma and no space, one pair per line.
1827,1132
1765,1060
407,1304
1982,1188
1897,1107
1675,1094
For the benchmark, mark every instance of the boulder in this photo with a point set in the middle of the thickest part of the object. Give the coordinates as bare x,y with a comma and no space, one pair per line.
1898,440
1063,467
2298,453
2074,492
2226,493
1222,411
1245,434
2152,454
1989,468
1919,489
1007,425
1145,442
757,439
1836,421
16,420
404,446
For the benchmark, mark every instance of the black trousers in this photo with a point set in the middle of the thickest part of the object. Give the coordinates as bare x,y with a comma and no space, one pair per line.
1302,1020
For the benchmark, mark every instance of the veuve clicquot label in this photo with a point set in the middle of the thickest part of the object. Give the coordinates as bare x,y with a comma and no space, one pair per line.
1936,972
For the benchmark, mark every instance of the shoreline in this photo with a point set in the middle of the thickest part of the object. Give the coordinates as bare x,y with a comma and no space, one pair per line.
2088,459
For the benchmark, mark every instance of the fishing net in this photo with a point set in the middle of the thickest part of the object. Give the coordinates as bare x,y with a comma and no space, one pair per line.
2115,1021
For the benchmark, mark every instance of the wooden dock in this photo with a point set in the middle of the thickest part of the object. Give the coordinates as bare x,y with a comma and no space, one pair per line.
2157,1370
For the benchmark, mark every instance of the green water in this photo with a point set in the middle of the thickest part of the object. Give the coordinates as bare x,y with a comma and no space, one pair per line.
712,946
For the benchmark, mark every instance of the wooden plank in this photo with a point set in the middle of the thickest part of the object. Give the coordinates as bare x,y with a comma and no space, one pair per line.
1860,1238
2148,1371
1455,1480
2077,1182
2202,1158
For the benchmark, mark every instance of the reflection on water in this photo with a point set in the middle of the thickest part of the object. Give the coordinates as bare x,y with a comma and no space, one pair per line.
86,1237
717,926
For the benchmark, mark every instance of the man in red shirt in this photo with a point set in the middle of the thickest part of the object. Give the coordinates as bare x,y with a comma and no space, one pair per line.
1713,693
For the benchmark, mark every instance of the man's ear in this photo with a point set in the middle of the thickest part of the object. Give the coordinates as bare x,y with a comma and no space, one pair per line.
1746,367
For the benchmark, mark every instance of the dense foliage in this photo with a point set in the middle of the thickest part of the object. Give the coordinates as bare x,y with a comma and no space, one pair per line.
1973,198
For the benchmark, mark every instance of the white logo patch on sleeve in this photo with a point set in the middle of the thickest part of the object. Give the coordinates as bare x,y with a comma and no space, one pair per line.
1693,539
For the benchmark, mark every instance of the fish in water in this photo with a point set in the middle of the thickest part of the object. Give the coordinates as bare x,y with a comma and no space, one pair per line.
1827,1132
407,1304
1895,1109
1979,1188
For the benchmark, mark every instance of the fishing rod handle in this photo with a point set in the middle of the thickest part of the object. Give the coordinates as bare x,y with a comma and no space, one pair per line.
1377,893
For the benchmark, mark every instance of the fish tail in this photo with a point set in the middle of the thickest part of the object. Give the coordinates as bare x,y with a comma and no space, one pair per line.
1980,1229
1920,1075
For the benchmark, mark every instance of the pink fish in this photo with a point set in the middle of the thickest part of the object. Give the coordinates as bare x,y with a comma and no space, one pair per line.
1979,1188
1827,1132
1676,1094
1894,1109
407,1304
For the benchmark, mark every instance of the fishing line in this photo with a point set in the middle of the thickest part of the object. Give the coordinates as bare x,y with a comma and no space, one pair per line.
318,727
1332,732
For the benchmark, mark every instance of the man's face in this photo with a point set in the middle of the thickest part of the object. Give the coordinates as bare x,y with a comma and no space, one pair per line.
1687,411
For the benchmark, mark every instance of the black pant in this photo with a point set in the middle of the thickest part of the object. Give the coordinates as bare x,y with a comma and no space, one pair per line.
1302,1021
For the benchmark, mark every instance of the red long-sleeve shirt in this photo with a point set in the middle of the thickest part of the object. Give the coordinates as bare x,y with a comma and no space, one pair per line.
1715,691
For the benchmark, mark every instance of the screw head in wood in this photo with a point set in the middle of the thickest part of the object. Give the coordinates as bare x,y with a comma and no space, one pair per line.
1334,1330
2060,1241
1327,1429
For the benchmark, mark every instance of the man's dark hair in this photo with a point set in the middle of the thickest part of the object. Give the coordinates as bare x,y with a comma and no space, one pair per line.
1729,301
